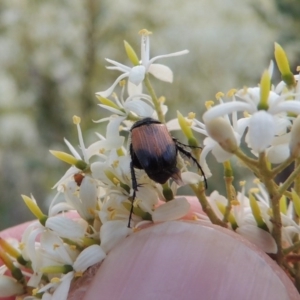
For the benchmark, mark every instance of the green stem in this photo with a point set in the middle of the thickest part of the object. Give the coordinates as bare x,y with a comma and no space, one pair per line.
228,177
296,219
251,163
156,103
199,191
297,176
167,192
289,269
293,177
275,196
282,166
294,247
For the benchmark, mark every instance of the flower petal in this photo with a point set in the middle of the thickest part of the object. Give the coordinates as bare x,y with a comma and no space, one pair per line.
203,162
139,107
88,257
137,74
59,207
226,108
62,291
287,106
277,154
112,109
10,287
66,227
220,154
134,89
259,237
118,66
72,149
112,233
191,177
161,72
261,130
172,210
88,194
109,91
179,53
54,248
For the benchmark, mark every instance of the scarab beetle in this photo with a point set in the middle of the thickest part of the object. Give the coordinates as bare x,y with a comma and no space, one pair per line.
155,151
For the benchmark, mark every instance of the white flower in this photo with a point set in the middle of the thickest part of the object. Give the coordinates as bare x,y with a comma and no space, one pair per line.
112,142
137,74
247,226
211,145
59,289
279,149
263,125
50,251
88,257
83,198
137,103
84,195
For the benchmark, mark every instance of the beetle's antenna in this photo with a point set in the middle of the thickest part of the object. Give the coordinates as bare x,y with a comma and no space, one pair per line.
185,145
190,156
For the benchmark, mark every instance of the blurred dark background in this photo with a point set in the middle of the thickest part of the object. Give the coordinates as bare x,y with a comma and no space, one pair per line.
52,63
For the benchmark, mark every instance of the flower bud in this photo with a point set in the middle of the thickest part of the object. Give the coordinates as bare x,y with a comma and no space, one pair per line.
265,84
70,159
283,65
10,287
221,131
257,213
34,208
107,102
187,130
131,54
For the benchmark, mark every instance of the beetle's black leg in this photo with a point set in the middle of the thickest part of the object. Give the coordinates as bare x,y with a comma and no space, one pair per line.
134,185
189,155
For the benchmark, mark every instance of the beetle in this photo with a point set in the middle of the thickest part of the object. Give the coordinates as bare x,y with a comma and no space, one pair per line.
154,150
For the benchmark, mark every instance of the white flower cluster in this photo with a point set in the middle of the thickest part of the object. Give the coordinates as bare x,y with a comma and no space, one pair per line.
266,121
98,186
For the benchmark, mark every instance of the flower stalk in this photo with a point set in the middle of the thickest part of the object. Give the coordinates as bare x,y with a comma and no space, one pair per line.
200,194
275,196
155,100
230,190
33,207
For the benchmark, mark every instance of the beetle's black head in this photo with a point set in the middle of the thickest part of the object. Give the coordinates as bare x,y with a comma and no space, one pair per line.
161,176
145,121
